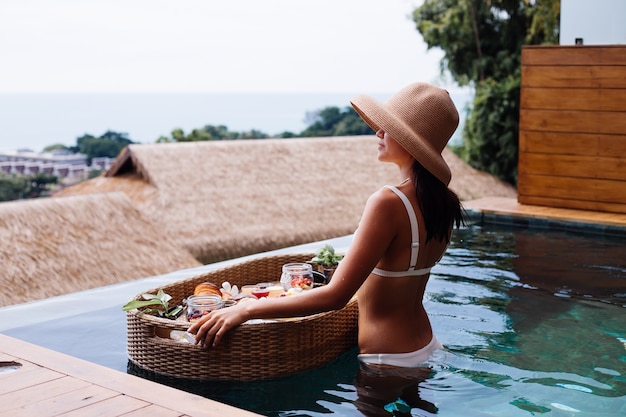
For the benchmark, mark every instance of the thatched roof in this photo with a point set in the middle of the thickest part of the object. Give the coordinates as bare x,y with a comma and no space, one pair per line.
223,199
53,246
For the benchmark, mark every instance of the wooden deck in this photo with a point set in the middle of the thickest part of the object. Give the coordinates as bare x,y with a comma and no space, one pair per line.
510,207
49,383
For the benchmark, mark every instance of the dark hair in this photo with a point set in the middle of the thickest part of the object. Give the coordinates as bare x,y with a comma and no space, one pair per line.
440,206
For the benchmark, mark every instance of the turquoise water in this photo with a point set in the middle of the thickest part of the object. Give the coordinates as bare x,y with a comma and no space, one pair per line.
534,323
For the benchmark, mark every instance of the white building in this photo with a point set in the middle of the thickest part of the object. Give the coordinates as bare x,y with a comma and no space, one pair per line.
598,22
60,163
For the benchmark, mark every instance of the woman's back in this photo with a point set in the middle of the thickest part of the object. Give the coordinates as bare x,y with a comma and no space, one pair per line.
391,316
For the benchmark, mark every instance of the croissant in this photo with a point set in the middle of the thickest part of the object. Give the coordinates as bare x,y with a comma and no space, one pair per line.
207,288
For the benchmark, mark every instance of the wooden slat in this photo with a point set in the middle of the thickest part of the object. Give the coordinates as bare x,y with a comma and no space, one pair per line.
84,383
556,203
567,143
572,131
602,191
153,411
596,76
116,406
593,99
584,167
573,121
13,400
24,378
547,211
63,402
574,55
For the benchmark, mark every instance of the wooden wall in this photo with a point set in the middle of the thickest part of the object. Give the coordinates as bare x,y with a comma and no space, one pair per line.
572,146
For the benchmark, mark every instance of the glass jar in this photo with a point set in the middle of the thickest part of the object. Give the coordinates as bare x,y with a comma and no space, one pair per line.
199,305
297,275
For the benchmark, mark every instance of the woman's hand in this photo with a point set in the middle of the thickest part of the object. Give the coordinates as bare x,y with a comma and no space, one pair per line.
210,328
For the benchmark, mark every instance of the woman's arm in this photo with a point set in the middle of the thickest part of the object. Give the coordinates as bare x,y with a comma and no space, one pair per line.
370,243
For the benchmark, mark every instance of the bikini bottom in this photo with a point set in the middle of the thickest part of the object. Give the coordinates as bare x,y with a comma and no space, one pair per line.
406,360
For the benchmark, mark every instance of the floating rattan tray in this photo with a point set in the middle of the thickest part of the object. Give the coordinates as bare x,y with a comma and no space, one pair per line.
251,351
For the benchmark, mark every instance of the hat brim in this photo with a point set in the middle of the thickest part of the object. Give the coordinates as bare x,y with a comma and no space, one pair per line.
377,116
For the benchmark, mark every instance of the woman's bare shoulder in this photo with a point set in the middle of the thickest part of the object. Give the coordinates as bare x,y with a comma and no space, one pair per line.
383,199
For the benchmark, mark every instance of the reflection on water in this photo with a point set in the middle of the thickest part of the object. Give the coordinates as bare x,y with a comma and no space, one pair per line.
534,324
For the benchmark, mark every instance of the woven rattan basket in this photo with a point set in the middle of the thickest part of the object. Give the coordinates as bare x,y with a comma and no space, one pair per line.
251,351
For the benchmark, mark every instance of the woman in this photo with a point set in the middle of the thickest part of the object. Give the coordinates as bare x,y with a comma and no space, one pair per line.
403,232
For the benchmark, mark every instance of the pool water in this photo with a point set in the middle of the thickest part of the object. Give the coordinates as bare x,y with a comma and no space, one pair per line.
534,323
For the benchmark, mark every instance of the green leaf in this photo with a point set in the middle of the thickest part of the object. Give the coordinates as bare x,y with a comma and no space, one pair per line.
161,299
131,305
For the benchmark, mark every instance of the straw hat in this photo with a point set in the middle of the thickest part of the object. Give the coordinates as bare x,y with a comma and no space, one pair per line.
420,117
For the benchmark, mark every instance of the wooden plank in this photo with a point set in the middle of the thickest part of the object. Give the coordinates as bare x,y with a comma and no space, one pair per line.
573,121
576,166
513,207
153,411
596,76
567,143
24,366
574,55
594,99
39,391
601,191
27,377
149,391
62,403
115,406
556,203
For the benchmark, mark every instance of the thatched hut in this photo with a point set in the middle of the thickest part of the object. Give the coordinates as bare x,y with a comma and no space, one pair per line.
53,246
223,199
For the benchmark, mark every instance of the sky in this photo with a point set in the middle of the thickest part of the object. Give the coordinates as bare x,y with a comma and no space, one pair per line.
202,46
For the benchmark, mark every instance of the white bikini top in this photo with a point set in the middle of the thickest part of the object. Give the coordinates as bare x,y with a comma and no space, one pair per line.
415,242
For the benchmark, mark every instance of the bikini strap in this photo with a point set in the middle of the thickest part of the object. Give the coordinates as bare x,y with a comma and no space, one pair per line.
415,237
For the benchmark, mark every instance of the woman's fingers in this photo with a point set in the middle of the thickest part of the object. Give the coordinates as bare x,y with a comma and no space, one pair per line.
200,329
210,328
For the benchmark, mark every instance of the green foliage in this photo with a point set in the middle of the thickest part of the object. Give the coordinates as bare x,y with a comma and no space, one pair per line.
40,185
210,132
108,145
482,43
491,134
332,121
55,147
483,39
287,134
326,256
93,173
14,187
329,121
158,303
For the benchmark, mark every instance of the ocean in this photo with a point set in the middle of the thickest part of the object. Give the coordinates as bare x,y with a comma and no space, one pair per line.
34,121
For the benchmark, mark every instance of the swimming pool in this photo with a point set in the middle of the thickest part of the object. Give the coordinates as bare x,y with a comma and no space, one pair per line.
534,322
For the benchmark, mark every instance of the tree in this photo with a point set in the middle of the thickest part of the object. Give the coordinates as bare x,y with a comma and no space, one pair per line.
482,42
108,145
14,187
55,147
210,132
332,121
40,185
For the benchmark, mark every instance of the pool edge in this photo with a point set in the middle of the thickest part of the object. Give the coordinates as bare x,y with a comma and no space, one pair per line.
508,212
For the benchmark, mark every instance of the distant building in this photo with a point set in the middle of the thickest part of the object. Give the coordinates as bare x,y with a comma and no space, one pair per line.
56,157
60,163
